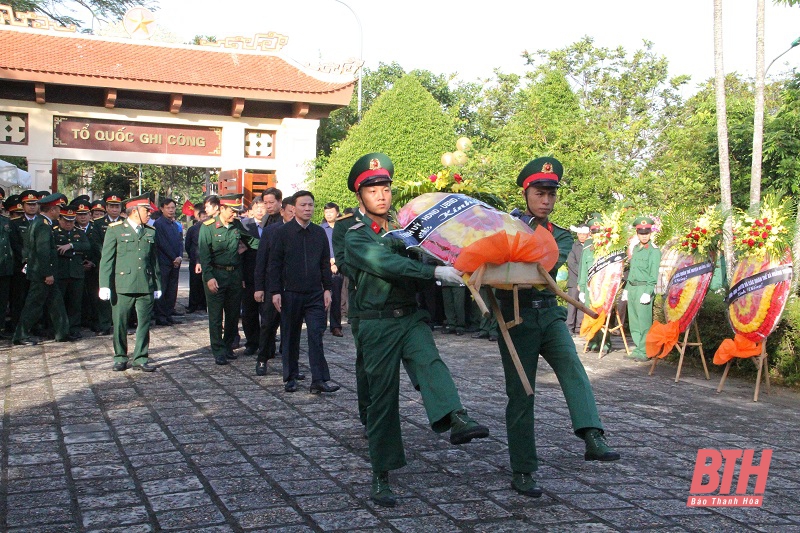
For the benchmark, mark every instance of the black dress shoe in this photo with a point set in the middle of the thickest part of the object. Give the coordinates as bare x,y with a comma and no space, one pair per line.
30,341
300,377
337,332
146,367
231,356
104,332
220,359
162,323
249,350
261,368
74,337
492,338
480,335
321,386
121,366
291,386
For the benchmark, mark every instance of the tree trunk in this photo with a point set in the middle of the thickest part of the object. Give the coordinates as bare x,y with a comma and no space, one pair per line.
758,114
722,138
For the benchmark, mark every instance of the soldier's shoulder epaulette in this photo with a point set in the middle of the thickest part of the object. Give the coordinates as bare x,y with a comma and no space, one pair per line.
208,222
149,226
356,226
348,215
117,223
47,221
559,227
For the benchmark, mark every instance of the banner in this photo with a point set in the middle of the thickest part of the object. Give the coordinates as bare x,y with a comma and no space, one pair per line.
759,281
420,228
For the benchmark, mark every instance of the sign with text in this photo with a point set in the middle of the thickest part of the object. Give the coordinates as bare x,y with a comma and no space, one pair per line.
127,136
713,479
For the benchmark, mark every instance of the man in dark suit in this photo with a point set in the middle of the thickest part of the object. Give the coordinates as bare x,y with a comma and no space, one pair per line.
270,317
169,242
300,284
574,315
251,323
197,294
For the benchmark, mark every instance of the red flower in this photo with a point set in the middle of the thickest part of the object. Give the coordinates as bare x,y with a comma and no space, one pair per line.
685,243
751,242
764,235
694,245
765,220
704,230
433,177
757,222
760,244
768,227
457,178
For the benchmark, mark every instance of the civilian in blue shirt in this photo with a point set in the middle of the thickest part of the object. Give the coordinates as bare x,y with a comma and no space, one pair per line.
169,243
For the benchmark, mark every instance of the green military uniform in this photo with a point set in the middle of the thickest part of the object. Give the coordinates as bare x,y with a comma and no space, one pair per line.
587,260
129,268
19,281
642,278
218,252
104,311
453,299
6,264
392,329
42,263
544,332
70,273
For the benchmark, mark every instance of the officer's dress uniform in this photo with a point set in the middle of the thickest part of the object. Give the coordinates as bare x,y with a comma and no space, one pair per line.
42,263
391,328
70,273
91,281
220,259
642,278
6,265
19,280
129,267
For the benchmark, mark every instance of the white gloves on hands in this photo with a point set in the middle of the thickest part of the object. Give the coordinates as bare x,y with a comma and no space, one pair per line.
448,274
645,299
582,298
104,294
157,295
624,296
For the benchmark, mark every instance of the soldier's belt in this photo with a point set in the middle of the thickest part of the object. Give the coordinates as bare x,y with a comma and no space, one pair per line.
539,303
229,268
387,313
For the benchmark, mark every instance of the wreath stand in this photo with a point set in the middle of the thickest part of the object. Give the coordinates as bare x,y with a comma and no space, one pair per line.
514,276
607,331
761,364
682,345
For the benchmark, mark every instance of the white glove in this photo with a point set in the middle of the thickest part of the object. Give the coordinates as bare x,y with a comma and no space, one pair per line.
157,295
645,299
582,298
104,294
448,274
624,296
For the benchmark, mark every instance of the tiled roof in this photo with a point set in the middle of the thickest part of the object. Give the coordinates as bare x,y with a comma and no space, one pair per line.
34,56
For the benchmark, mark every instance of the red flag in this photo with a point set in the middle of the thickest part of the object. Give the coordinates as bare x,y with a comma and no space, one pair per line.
187,209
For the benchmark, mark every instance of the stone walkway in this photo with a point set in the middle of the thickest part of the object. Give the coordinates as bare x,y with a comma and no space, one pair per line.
199,447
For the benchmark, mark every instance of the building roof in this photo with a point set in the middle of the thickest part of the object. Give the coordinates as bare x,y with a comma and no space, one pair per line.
132,65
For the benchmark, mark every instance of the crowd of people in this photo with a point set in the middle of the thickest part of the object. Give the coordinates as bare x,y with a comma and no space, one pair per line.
270,267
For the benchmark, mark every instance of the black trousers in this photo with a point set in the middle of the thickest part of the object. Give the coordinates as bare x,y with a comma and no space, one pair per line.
296,307
251,322
574,315
169,292
270,320
335,311
197,292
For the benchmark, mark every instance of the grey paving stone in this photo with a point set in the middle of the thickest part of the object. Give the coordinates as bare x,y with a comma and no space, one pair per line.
114,517
30,516
171,485
179,500
267,518
345,520
109,500
425,524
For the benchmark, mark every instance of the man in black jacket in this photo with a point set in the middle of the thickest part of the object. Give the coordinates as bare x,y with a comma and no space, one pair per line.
300,284
270,317
197,294
251,323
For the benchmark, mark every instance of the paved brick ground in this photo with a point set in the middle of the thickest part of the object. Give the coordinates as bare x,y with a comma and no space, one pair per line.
199,447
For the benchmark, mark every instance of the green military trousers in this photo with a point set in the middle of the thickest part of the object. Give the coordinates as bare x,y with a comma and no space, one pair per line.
72,292
640,318
453,298
43,298
227,302
543,331
121,306
385,342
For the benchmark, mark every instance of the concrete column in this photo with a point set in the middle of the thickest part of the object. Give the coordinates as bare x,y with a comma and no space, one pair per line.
41,173
296,148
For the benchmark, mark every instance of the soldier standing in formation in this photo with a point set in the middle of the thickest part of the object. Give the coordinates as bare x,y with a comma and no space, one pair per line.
219,250
129,279
544,332
71,245
43,293
641,285
391,328
19,281
6,261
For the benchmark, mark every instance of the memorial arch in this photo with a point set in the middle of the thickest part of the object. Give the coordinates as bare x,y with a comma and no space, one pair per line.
237,104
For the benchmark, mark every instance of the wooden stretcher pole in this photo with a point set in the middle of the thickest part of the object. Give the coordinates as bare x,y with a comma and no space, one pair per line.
501,324
553,286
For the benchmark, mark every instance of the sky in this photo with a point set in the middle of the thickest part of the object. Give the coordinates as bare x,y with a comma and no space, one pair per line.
472,38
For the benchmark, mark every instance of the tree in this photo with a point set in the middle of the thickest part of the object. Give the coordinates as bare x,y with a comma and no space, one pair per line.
722,135
61,12
758,115
406,123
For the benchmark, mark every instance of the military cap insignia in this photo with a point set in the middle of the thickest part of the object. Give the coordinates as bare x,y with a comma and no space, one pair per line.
374,164
548,168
